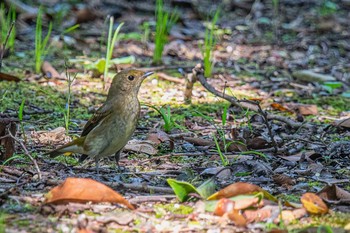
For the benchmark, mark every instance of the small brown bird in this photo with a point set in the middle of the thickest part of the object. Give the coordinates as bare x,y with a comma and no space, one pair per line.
111,127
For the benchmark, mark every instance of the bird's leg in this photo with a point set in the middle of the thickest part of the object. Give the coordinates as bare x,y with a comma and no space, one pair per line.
97,166
117,158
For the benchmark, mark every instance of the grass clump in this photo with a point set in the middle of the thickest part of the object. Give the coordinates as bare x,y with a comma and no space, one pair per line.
209,44
164,23
41,45
7,20
110,46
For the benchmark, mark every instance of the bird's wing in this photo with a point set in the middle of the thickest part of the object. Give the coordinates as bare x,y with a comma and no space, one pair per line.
99,115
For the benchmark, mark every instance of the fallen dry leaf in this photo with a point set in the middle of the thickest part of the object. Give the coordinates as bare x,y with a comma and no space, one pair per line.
307,109
283,180
280,107
84,190
199,141
235,189
49,70
334,194
342,123
224,206
237,217
159,137
57,135
259,214
313,204
9,77
139,146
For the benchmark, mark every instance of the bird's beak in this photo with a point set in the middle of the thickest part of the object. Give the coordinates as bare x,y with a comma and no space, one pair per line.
146,75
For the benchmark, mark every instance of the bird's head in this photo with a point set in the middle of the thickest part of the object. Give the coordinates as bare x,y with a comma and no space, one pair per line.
127,81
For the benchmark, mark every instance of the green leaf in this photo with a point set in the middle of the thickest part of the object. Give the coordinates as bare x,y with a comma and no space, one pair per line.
182,189
207,188
21,108
100,65
333,85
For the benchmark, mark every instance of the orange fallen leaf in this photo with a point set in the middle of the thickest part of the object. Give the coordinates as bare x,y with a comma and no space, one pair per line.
238,218
259,214
224,206
280,107
246,203
313,204
84,190
235,189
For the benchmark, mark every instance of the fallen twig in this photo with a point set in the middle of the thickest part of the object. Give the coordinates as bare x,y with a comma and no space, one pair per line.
266,121
167,77
198,70
26,152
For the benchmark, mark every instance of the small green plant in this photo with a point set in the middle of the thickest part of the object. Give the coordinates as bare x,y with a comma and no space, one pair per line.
327,8
110,46
164,23
20,117
169,122
2,222
223,158
209,44
6,21
41,46
220,129
146,32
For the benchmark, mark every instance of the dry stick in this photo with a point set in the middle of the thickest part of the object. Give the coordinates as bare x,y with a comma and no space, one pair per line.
5,43
190,79
266,121
26,152
199,73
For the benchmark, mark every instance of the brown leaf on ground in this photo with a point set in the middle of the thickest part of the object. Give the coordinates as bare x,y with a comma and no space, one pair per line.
8,77
281,108
235,189
283,180
57,135
159,137
313,204
334,194
49,70
342,123
199,141
83,190
258,143
139,146
238,218
226,205
259,214
307,109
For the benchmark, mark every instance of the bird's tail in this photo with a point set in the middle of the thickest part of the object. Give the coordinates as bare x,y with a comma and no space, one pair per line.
74,146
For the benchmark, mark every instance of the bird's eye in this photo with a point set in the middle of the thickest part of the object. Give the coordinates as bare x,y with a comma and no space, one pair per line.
130,77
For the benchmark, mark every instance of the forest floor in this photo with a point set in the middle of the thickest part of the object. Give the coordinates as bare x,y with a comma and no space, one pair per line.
287,129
